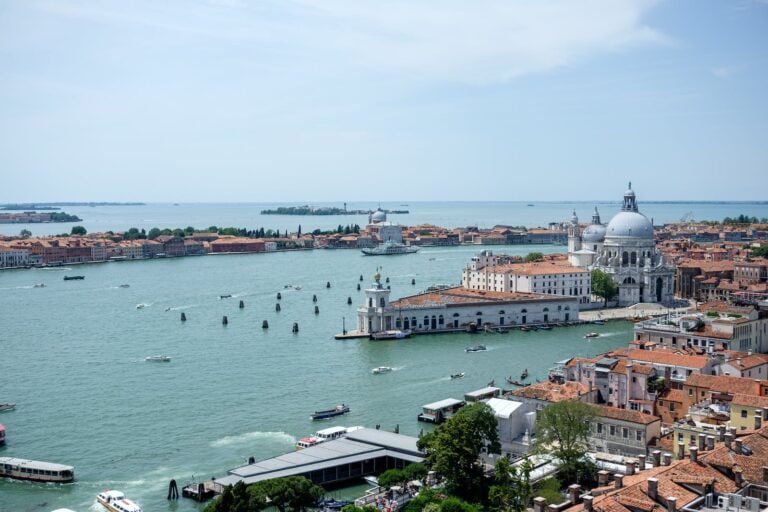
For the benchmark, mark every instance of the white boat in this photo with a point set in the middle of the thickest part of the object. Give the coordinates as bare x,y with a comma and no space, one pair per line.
391,335
381,369
141,306
63,510
371,480
326,434
35,470
592,335
389,248
158,359
7,407
459,375
293,287
115,501
39,285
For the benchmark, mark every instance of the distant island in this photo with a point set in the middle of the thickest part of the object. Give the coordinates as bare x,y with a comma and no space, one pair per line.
57,205
326,210
37,217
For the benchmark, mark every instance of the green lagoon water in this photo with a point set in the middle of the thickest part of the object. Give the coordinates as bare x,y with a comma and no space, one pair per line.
72,357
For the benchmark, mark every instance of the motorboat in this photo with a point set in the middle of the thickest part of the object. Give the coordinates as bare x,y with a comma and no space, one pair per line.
381,369
525,329
592,335
227,296
524,375
158,359
459,375
327,434
293,287
141,306
35,470
73,278
492,383
544,328
330,413
389,248
39,285
477,348
390,335
124,286
598,322
371,480
115,501
7,407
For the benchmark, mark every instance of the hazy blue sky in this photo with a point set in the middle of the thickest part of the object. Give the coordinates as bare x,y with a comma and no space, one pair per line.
228,100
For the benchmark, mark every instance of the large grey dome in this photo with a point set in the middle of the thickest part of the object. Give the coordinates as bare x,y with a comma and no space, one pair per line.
630,224
379,216
594,233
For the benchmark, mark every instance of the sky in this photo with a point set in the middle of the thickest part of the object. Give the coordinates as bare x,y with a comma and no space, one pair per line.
350,100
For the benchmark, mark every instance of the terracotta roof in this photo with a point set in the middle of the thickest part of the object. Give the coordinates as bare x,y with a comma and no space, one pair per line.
537,268
626,415
726,383
750,401
459,296
667,358
673,395
748,361
751,465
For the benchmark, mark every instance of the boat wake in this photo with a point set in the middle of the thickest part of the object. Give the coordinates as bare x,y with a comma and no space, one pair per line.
179,308
60,269
282,437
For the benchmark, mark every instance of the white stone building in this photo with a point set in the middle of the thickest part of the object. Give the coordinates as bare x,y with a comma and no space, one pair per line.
624,249
11,257
378,224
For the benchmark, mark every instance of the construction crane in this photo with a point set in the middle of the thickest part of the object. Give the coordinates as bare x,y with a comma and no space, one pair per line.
688,217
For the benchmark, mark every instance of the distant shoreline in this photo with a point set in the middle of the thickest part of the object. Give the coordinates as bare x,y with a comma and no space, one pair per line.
56,205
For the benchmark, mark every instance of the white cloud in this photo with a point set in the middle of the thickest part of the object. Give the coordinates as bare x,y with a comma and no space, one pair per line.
476,41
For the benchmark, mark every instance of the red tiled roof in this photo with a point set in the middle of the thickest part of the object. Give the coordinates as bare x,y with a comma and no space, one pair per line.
626,415
462,296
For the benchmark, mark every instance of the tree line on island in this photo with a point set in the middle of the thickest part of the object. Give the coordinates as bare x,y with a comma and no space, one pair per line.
456,451
143,234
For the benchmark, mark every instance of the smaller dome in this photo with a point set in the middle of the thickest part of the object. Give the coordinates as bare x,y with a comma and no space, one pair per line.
594,233
379,216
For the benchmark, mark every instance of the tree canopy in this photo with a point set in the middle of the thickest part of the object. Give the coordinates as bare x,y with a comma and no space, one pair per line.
533,256
453,449
513,489
603,285
290,494
562,430
78,230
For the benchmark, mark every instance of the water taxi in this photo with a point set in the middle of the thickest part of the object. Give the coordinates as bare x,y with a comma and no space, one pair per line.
24,469
381,369
478,348
115,501
330,413
158,359
592,335
459,375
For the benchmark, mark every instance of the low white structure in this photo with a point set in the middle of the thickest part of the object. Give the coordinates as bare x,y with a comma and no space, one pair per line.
516,423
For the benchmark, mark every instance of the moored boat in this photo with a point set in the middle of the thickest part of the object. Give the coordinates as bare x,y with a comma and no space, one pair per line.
330,413
478,348
598,322
514,382
390,335
326,434
381,369
7,407
35,470
158,359
115,501
524,375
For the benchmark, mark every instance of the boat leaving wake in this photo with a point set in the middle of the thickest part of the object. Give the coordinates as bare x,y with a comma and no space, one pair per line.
282,437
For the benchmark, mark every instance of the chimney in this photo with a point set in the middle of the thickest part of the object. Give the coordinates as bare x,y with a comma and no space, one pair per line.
653,488
758,419
710,442
737,448
765,474
728,439
738,476
680,450
694,451
602,477
667,459
618,480
702,442
721,433
656,458
629,465
539,504
671,504
574,491
641,463
588,503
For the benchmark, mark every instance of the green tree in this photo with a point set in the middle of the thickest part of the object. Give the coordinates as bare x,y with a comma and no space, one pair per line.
354,508
25,233
293,493
454,447
757,252
562,430
549,489
78,230
454,504
415,471
391,477
603,286
513,489
534,256
153,233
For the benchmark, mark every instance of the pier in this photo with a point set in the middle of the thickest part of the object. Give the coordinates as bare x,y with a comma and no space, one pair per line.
360,453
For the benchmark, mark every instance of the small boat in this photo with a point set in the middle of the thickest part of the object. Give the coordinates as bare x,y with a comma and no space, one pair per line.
524,375
35,470
372,480
381,369
525,329
115,501
39,285
227,296
158,359
478,348
7,407
2,434
432,259
592,335
141,306
330,413
293,287
514,382
492,383
390,335
124,286
543,328
598,322
72,278
529,204
459,375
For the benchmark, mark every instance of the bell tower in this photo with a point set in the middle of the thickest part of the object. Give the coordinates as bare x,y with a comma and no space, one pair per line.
574,234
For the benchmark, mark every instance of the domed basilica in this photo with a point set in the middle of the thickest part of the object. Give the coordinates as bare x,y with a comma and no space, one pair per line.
625,250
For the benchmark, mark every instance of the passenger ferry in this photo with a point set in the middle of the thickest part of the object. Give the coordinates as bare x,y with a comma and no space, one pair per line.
115,501
23,469
389,248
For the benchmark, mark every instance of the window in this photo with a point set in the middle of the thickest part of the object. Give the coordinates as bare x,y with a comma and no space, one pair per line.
599,428
690,392
625,433
612,430
672,406
743,413
639,435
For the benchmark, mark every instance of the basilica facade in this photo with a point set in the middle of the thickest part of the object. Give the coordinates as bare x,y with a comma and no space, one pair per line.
625,250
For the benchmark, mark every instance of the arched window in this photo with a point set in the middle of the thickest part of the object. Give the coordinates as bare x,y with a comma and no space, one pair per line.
501,312
479,313
455,315
426,322
440,320
370,302
397,323
524,311
629,280
381,302
624,258
567,308
413,322
546,309
633,258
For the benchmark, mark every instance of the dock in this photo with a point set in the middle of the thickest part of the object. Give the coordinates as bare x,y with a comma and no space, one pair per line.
360,453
